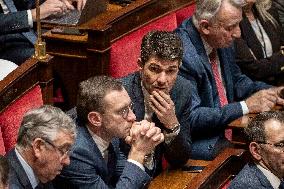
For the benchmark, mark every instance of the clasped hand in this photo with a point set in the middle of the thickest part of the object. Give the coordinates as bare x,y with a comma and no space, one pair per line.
144,136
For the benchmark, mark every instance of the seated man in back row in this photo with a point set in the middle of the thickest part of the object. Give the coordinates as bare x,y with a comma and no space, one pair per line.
220,92
159,95
17,37
103,114
265,134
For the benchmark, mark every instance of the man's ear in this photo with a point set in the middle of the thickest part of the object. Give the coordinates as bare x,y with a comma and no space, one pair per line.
139,62
37,146
95,118
204,27
254,149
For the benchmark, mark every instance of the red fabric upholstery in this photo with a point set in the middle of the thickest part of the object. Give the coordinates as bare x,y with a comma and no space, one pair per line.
125,51
184,13
2,147
226,185
11,118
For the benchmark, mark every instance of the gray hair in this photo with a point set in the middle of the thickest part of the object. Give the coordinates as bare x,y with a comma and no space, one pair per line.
44,122
255,131
91,95
163,44
208,9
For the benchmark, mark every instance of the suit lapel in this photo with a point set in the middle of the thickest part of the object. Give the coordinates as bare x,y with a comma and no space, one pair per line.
137,97
199,46
262,178
19,170
100,162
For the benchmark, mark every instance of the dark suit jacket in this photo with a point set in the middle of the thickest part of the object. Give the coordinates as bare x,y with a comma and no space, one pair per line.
279,4
177,153
18,178
207,119
250,177
265,69
89,170
13,45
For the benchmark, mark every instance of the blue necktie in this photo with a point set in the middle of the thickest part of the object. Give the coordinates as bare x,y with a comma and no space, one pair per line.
30,35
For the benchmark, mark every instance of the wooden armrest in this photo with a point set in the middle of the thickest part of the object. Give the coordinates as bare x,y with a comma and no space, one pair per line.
32,72
227,163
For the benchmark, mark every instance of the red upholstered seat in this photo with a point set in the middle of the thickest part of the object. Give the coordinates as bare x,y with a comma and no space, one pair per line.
11,117
2,147
125,51
184,13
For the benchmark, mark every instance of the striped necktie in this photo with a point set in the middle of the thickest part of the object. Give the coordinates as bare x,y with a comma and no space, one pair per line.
220,86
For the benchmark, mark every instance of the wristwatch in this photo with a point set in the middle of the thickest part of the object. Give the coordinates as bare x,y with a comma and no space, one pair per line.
173,129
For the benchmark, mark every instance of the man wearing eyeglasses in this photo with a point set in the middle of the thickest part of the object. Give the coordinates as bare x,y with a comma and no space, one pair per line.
265,135
220,92
103,115
45,137
161,96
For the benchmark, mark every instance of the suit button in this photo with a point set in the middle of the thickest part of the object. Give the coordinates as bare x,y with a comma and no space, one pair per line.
210,147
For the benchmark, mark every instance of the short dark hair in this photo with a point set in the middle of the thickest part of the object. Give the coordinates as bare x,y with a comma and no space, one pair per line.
4,170
255,131
163,44
91,95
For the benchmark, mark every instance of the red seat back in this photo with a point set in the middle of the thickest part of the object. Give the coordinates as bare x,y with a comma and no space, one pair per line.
11,117
28,86
184,13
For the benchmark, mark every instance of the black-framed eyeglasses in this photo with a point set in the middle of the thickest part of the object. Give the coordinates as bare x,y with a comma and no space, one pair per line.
63,152
125,111
279,146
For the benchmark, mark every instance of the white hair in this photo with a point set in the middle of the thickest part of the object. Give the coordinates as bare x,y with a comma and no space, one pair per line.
208,9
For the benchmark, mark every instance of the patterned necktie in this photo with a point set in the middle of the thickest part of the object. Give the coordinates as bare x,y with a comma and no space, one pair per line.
30,35
220,86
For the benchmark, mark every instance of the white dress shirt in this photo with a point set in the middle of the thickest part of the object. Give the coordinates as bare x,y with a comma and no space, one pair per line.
28,170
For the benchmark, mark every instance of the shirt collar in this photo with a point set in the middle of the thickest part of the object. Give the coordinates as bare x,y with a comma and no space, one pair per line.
148,110
273,179
28,170
101,143
207,47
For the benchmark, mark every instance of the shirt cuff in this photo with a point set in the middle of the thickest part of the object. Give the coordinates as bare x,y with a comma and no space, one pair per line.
30,18
136,163
244,107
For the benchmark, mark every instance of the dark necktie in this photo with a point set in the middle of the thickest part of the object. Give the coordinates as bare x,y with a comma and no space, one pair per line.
220,86
281,185
30,35
39,186
111,158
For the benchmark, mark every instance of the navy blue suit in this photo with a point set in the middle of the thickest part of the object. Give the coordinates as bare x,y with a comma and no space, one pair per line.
250,177
89,170
13,45
18,178
177,153
207,119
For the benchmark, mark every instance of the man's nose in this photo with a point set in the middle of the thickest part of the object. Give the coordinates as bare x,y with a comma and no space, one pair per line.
236,32
131,116
162,78
66,160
